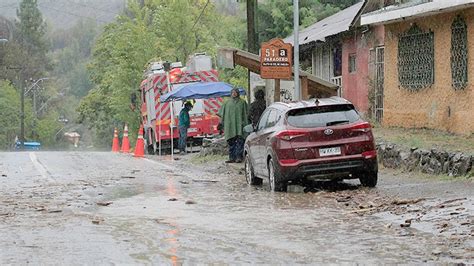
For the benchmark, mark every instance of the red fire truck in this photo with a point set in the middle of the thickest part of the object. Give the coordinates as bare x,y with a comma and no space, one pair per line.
157,116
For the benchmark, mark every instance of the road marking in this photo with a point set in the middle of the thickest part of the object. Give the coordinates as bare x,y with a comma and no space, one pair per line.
40,167
161,164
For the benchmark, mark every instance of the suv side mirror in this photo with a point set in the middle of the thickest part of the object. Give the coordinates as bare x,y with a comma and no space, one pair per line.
249,129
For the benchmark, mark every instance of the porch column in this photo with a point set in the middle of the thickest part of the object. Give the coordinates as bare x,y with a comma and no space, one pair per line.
276,95
304,88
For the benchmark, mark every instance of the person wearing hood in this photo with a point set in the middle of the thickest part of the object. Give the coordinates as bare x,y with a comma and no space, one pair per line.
183,125
257,107
234,116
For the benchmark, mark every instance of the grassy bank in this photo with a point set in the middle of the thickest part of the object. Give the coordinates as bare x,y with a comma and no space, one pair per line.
426,139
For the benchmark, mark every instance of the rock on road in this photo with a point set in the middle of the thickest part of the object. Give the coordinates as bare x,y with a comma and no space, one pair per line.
104,208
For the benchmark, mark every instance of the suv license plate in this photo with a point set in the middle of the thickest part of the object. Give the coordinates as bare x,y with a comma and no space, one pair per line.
330,151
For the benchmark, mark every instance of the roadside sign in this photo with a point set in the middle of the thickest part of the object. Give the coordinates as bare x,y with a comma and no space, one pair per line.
275,60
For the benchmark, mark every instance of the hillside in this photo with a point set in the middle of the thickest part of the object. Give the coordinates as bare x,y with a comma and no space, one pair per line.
65,13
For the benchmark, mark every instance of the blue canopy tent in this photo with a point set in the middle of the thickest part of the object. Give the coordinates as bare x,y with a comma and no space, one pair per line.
196,90
199,90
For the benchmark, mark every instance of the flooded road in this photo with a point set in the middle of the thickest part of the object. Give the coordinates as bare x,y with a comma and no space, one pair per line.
103,208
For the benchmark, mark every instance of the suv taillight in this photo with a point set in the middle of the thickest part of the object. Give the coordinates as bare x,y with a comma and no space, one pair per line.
291,134
361,127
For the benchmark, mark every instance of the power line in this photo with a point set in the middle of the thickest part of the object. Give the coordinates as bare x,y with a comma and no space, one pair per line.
200,15
197,20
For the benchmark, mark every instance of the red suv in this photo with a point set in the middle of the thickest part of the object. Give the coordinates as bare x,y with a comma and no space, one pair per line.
310,140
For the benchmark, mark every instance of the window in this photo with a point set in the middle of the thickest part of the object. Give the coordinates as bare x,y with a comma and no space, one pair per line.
323,116
352,63
273,118
263,120
416,59
459,53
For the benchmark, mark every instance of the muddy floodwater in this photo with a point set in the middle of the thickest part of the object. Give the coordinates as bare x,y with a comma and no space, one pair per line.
104,208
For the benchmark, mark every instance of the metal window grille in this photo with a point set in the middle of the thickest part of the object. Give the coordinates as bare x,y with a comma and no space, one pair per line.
379,82
459,53
352,63
416,59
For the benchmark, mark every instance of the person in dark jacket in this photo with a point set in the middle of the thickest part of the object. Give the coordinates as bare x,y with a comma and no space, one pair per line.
257,107
184,123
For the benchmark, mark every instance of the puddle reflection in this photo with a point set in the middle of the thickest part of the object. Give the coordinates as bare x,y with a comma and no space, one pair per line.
174,232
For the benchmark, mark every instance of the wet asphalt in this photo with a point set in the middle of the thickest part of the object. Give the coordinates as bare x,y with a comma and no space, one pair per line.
104,208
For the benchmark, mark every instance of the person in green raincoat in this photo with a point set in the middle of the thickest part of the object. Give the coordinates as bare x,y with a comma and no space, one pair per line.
183,125
233,114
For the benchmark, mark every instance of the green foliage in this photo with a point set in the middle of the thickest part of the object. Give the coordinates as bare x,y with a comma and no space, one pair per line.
95,111
73,48
47,129
10,118
275,17
119,57
31,26
167,30
30,35
237,77
170,31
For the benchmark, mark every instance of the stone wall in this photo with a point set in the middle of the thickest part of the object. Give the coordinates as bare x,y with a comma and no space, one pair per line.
434,161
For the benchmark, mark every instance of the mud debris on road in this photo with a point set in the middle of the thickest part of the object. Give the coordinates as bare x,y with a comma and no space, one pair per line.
183,210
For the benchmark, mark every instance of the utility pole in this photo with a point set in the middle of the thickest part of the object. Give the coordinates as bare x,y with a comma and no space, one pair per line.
252,26
296,55
252,37
34,87
22,114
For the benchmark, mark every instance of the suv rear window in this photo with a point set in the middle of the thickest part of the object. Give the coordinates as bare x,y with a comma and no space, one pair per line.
321,116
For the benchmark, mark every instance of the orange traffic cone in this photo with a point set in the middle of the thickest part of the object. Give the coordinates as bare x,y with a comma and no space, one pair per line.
125,141
140,146
115,142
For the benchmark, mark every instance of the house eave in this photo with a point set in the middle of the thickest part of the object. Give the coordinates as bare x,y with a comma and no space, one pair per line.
412,12
252,63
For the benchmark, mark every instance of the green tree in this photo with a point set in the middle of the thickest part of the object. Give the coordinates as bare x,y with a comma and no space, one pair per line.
149,31
31,35
48,128
72,51
275,17
188,26
31,26
10,118
119,57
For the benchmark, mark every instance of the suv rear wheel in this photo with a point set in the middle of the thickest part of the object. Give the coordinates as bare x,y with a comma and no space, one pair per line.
249,174
368,179
274,177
